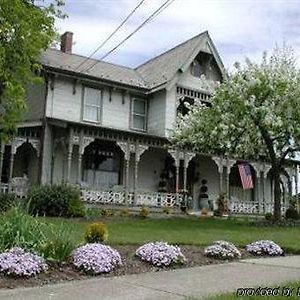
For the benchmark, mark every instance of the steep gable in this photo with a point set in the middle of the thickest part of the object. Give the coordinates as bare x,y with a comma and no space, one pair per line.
163,68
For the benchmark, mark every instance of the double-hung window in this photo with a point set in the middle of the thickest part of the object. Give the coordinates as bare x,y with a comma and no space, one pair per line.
139,114
91,104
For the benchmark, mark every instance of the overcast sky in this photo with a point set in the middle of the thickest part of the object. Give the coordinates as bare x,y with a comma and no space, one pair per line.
238,28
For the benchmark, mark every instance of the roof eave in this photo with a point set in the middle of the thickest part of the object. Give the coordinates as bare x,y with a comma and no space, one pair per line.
94,78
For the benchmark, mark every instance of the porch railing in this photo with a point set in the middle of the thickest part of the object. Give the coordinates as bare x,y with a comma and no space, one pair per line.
253,208
121,198
19,190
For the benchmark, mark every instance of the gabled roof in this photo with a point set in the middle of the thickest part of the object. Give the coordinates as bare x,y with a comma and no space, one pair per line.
69,62
163,68
151,74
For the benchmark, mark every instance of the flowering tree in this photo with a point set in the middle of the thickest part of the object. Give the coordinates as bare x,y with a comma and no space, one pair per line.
255,114
26,29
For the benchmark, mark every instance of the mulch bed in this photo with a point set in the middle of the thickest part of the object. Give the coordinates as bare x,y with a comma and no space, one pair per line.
131,265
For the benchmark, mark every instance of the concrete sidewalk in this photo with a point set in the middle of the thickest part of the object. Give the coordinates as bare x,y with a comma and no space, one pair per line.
194,282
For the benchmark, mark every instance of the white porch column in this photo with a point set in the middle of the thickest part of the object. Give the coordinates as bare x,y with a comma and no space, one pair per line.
127,148
229,164
188,156
220,164
296,186
258,189
177,156
2,148
81,148
11,162
258,169
296,179
69,158
140,149
79,171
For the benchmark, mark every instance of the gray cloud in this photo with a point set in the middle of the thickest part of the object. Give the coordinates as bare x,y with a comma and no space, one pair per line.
239,28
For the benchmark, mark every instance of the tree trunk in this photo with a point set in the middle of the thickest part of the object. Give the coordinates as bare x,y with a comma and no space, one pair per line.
277,195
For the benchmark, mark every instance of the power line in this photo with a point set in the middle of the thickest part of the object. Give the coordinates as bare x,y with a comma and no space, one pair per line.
166,4
110,36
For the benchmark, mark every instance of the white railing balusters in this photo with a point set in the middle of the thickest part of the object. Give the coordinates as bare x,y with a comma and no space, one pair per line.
250,207
147,199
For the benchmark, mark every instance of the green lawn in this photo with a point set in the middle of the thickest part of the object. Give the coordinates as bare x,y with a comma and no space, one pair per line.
193,231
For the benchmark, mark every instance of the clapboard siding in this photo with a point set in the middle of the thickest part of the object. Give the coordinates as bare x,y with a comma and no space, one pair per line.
170,113
63,104
35,102
115,112
156,113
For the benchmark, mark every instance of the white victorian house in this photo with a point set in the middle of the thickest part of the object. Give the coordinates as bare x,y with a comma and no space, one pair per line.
105,127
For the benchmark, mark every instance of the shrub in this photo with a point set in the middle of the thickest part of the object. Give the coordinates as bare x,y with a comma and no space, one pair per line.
264,247
18,262
58,245
222,250
160,254
96,258
96,232
124,212
291,213
18,229
56,200
7,201
76,208
269,217
144,212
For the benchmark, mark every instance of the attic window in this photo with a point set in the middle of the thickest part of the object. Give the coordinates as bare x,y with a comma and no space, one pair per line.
196,68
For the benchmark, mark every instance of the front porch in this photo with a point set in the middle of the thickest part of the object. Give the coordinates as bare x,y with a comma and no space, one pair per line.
118,168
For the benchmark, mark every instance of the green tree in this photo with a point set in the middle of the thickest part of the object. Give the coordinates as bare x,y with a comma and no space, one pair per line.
26,29
255,115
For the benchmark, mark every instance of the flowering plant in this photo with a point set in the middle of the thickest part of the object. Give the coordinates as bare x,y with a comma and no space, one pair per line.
222,250
19,262
160,254
264,247
96,258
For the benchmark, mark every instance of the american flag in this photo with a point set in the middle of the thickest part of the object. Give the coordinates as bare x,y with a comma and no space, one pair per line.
246,176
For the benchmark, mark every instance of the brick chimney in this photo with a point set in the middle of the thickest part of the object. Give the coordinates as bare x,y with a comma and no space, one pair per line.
66,41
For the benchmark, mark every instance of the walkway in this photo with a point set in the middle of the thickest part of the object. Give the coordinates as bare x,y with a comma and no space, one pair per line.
194,282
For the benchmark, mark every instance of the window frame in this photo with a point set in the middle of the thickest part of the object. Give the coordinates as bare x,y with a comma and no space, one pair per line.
133,114
98,107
